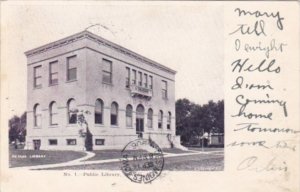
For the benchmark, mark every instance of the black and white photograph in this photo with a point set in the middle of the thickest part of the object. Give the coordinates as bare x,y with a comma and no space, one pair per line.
149,95
87,94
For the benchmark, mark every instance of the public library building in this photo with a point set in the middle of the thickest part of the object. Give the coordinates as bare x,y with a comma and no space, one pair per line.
127,95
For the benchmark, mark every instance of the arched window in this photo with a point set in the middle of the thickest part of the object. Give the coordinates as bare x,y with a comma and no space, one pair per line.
99,112
169,120
160,119
37,115
140,111
72,111
53,113
150,118
114,114
128,116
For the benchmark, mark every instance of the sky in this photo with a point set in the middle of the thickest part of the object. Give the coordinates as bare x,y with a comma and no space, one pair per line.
187,37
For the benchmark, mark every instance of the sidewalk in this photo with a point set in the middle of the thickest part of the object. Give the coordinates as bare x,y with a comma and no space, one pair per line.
82,161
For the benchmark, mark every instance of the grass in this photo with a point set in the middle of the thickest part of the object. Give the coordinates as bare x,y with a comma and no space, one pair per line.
175,150
109,154
106,154
205,149
20,158
199,162
115,154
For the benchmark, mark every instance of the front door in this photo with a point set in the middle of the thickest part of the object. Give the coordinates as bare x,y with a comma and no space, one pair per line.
36,144
140,120
139,127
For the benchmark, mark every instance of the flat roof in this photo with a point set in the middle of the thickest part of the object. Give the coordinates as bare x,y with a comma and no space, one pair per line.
98,39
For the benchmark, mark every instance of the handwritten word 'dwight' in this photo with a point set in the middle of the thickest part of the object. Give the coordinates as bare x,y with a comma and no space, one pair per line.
266,48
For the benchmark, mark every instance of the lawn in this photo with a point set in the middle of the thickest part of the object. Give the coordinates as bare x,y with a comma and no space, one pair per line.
175,150
199,162
110,154
106,154
206,149
20,158
116,154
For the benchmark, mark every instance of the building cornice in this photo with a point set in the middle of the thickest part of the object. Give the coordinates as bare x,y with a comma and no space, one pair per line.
101,41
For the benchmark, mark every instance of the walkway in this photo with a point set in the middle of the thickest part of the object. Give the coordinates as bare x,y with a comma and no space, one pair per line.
82,161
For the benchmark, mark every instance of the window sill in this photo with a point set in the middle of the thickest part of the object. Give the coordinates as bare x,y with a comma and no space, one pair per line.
37,127
71,125
34,88
53,126
114,126
129,127
106,83
50,85
99,125
70,81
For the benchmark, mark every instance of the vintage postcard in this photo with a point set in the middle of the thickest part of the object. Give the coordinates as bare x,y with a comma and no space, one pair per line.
150,96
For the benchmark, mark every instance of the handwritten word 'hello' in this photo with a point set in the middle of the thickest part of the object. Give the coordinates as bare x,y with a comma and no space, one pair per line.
243,65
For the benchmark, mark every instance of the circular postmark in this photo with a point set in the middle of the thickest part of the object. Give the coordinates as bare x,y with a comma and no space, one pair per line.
142,161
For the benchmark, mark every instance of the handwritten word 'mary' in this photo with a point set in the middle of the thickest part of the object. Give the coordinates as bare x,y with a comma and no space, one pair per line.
257,14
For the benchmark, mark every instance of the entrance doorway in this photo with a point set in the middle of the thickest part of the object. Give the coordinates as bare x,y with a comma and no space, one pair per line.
36,144
140,120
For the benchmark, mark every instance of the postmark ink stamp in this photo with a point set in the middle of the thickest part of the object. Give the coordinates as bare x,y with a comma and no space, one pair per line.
142,161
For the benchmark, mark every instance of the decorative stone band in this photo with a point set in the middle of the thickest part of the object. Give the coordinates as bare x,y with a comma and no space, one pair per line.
101,41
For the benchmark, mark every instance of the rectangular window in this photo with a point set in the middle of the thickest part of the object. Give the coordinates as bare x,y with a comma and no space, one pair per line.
150,82
37,72
52,141
146,80
71,141
36,144
168,126
127,77
107,71
134,77
53,73
71,68
140,79
99,141
164,90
